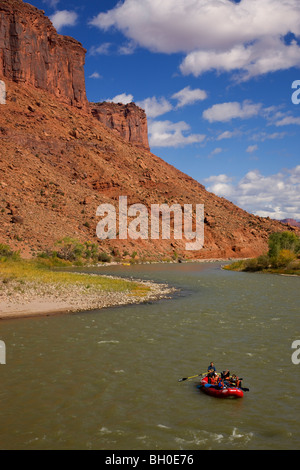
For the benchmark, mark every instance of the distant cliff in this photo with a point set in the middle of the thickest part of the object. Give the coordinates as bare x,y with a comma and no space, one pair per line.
32,52
292,222
128,120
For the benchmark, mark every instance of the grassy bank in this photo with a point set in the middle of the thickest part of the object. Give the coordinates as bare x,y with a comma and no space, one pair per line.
40,270
33,271
33,287
254,265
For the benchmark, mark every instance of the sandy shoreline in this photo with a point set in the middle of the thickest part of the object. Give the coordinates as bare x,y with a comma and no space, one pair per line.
31,299
49,300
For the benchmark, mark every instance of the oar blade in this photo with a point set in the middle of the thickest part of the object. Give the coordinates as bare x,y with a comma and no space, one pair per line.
188,378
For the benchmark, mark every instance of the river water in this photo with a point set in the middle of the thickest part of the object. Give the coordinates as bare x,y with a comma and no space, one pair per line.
108,379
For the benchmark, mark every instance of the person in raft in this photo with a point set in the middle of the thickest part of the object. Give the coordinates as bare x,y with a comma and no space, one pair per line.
221,384
225,375
235,381
212,378
211,368
216,382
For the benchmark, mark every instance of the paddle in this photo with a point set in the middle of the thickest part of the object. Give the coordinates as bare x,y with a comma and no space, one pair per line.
192,377
187,378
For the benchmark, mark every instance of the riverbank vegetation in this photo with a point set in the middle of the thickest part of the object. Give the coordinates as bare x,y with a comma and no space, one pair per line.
283,256
40,269
71,251
38,287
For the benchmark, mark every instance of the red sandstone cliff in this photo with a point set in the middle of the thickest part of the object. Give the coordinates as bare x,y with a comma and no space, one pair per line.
32,52
129,121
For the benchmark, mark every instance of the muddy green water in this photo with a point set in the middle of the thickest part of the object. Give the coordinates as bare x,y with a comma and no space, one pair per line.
108,379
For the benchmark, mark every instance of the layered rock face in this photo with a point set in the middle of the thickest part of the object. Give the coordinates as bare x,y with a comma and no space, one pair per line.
128,120
32,52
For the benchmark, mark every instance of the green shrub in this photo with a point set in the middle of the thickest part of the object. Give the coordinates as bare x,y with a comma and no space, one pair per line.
283,241
7,253
263,262
5,250
104,258
91,251
252,265
285,258
69,249
284,249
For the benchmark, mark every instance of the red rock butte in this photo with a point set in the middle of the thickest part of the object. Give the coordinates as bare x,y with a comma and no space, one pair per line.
128,120
61,156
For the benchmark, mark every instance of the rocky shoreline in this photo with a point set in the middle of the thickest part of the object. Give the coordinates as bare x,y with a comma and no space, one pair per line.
37,299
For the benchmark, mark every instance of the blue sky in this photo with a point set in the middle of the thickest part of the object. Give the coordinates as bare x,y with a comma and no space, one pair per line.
215,78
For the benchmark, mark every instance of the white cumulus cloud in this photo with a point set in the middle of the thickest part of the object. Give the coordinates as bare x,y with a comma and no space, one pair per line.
265,55
102,49
155,106
287,121
252,148
64,18
52,3
276,196
187,96
121,98
169,134
248,37
95,75
228,135
225,112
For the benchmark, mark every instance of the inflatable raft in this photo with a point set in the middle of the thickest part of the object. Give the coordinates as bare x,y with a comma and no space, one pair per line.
215,391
